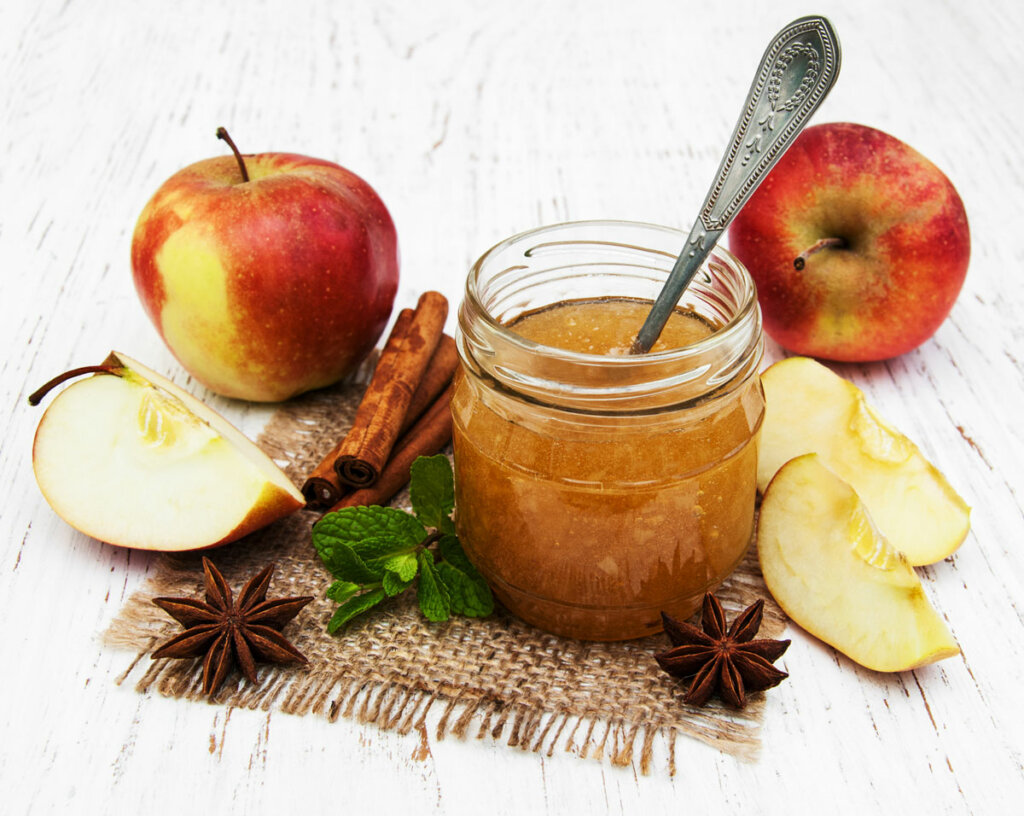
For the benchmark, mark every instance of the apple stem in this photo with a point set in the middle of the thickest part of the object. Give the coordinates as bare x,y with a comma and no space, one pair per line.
801,260
222,133
36,396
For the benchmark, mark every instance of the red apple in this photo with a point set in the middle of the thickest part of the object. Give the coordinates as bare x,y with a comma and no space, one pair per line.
269,285
857,243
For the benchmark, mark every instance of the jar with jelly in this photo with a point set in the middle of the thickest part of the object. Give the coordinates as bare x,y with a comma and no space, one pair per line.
595,488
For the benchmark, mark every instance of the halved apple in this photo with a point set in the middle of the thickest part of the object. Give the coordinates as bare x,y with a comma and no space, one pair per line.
129,458
832,571
809,409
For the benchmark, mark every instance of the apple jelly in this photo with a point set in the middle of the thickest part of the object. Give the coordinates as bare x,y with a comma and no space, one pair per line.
595,489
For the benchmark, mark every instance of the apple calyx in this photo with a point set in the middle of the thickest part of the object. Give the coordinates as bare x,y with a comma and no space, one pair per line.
800,261
222,133
107,368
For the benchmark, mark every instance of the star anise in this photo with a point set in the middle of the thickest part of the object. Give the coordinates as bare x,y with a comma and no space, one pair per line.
230,632
730,662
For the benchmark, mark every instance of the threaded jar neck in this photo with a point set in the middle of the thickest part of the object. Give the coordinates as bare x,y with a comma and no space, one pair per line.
602,259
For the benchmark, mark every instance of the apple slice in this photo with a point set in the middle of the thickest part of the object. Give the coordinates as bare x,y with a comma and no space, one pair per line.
809,409
838,577
129,458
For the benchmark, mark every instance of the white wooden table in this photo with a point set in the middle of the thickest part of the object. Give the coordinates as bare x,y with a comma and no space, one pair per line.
474,121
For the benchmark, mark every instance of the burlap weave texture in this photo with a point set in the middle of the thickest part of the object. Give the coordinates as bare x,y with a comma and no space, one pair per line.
494,678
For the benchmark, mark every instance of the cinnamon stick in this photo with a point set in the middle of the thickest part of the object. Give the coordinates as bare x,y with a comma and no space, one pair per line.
323,488
417,362
439,373
378,421
430,433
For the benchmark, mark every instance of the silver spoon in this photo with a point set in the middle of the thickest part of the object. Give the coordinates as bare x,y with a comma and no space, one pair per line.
796,73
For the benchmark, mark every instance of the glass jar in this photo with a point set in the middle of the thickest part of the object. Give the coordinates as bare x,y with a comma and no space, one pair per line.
595,491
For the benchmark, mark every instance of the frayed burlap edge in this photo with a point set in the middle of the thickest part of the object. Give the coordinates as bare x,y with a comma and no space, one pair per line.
603,701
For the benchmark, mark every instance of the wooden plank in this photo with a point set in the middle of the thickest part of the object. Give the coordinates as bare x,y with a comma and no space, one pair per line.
474,121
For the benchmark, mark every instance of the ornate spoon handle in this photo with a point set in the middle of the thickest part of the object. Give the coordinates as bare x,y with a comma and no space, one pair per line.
797,71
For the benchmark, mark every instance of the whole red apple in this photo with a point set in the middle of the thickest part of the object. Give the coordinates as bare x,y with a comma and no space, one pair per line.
857,243
266,275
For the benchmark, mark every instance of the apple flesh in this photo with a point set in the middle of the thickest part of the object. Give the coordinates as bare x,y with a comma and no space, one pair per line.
892,238
127,457
266,288
810,409
838,577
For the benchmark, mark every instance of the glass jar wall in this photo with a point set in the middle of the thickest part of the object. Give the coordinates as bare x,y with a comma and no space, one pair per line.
594,491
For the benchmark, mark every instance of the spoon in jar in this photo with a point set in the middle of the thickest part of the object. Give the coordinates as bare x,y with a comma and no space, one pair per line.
796,73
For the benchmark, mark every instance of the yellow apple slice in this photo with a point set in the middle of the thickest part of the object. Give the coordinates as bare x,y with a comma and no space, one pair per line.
832,571
129,458
809,409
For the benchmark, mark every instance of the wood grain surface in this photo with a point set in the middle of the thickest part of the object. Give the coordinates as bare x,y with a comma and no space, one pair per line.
475,120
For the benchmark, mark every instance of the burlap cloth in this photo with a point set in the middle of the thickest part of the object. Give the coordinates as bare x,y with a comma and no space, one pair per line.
494,678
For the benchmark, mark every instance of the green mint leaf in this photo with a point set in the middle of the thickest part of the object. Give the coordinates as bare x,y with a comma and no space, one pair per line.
341,591
394,584
352,525
381,548
404,565
435,602
352,541
450,549
345,565
357,606
470,595
432,491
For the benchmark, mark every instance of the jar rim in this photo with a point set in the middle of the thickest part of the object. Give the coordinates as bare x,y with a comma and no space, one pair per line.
721,334
559,262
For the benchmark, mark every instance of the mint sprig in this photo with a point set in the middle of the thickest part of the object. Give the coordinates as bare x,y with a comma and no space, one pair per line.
432,491
376,553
